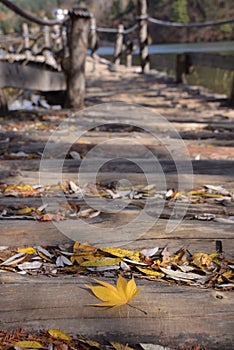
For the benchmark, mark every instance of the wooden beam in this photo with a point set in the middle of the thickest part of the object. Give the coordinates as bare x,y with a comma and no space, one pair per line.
176,316
33,78
195,235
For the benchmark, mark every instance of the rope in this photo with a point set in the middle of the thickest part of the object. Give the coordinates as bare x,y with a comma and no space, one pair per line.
131,29
107,30
28,16
188,25
85,14
113,30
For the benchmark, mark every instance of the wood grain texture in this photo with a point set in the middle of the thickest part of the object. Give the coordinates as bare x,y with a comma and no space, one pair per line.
176,316
196,236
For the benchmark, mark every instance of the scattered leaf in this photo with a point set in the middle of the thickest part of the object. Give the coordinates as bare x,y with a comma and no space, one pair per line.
28,250
101,262
25,211
115,296
57,334
29,344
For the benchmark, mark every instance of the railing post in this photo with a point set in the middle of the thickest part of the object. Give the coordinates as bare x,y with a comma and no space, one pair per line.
143,39
47,49
26,40
77,40
129,50
118,44
93,36
57,38
183,66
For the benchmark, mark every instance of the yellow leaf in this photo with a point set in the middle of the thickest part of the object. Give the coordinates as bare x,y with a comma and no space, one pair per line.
204,194
25,211
19,188
201,259
29,344
28,250
78,247
115,296
56,333
150,272
122,253
101,262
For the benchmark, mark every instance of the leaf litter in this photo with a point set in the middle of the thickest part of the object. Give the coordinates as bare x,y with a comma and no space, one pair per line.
216,200
157,264
55,339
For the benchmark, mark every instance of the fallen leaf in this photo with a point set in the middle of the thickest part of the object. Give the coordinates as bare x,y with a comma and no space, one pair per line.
29,344
115,296
30,265
56,333
122,253
28,250
101,262
119,346
150,272
25,211
15,259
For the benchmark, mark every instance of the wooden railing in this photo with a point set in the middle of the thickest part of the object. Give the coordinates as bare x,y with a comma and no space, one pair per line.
65,49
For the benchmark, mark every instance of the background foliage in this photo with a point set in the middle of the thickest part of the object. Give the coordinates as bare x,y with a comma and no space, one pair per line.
112,12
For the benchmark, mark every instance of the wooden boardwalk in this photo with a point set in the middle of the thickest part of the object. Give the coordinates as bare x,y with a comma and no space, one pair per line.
177,315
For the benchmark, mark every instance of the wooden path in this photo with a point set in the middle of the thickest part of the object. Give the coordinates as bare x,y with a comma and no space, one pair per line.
178,316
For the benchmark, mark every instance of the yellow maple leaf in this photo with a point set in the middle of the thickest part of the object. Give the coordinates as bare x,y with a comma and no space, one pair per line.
115,296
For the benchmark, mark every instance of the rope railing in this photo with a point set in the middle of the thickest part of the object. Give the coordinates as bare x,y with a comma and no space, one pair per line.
28,16
187,25
114,30
157,21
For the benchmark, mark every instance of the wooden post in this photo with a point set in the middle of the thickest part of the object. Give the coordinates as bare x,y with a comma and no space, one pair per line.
129,53
143,39
183,66
26,40
118,44
93,36
57,38
180,68
47,49
77,39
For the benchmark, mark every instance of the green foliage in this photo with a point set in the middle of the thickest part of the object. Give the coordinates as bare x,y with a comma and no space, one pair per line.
180,11
226,28
10,22
5,26
116,8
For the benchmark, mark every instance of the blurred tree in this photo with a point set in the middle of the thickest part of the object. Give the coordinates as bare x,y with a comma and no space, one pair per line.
179,11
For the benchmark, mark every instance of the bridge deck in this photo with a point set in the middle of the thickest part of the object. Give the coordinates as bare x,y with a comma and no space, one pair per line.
177,315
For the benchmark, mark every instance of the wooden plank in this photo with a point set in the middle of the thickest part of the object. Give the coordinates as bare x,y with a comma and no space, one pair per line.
209,167
20,76
14,176
195,235
176,316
